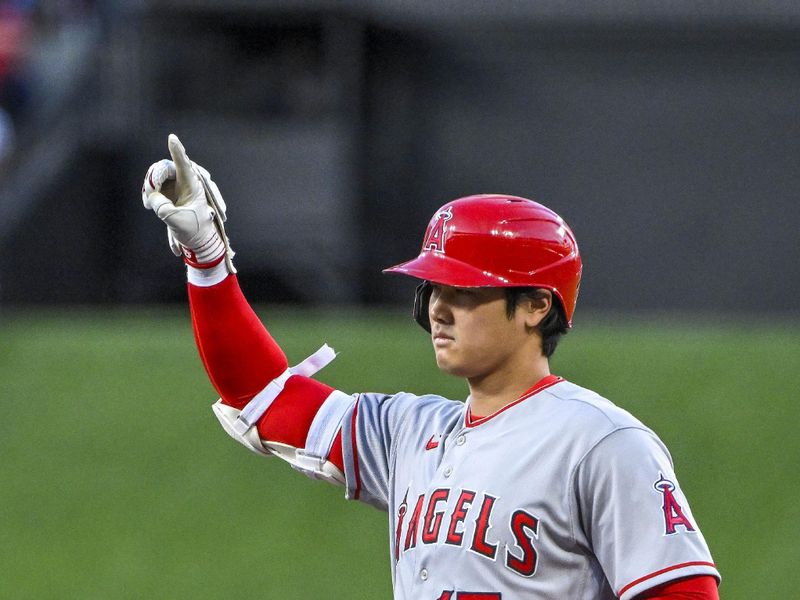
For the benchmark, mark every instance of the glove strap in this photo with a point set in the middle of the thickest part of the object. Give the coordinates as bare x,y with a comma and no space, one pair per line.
261,402
218,204
190,258
207,254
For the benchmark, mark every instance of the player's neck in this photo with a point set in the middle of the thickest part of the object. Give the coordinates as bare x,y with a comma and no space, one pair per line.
492,391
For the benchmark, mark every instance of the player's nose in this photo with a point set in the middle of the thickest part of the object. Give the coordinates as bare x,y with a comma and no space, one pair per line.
439,310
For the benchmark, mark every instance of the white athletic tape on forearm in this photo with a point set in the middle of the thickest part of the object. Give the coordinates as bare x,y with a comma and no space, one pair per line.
326,424
263,400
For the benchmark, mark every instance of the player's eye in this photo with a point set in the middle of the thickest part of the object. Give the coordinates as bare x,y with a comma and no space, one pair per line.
452,295
464,292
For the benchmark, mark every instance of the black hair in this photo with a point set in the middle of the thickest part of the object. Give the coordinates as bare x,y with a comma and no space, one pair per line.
554,324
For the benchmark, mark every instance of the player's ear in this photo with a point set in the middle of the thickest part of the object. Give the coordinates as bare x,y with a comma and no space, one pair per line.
536,306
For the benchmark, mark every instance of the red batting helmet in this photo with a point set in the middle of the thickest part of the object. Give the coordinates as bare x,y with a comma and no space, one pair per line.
494,240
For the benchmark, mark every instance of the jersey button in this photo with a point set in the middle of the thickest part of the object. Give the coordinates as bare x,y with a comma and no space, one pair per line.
423,574
448,471
460,440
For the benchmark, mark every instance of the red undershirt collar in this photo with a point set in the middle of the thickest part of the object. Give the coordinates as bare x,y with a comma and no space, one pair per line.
544,382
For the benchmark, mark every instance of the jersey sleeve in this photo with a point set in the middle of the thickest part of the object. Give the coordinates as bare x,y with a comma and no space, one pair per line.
635,514
369,435
383,433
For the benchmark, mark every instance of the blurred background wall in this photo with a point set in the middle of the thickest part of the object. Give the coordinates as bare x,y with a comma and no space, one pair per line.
665,133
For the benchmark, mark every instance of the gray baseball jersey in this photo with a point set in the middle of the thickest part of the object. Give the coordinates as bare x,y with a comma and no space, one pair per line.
559,495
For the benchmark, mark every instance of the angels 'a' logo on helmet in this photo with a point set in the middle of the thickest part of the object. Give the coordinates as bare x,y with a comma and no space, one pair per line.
438,232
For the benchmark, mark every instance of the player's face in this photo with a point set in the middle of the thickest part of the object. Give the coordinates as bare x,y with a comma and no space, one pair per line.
471,332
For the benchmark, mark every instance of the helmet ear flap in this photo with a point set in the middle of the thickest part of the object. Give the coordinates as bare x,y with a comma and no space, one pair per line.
422,296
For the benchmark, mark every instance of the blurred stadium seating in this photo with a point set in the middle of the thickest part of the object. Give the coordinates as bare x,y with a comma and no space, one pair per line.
664,133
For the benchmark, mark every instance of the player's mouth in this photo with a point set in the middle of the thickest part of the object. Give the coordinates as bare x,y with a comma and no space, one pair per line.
441,339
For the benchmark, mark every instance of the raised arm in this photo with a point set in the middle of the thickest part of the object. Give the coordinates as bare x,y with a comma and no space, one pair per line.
242,360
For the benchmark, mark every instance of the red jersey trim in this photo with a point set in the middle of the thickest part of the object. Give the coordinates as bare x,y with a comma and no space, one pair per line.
357,491
667,570
543,383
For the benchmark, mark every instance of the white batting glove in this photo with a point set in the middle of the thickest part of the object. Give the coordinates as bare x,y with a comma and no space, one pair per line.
183,195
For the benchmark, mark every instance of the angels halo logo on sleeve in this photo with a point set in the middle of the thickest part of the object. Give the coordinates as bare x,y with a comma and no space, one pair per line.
437,234
673,513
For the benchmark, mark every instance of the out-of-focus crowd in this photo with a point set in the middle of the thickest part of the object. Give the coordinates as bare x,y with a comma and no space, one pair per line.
24,24
16,24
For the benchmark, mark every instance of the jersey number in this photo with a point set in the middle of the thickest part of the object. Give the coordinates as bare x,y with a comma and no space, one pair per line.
448,595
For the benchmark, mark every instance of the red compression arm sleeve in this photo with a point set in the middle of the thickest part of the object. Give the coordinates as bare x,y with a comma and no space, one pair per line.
701,587
239,355
241,358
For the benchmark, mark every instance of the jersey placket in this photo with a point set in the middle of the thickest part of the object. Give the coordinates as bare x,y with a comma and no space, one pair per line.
429,576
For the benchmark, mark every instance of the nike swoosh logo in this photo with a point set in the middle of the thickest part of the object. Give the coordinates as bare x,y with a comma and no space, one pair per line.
432,443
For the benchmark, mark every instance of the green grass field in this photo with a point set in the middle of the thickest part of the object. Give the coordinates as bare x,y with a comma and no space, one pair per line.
117,482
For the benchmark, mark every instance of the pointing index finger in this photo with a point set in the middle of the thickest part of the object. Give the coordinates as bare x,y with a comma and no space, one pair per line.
183,167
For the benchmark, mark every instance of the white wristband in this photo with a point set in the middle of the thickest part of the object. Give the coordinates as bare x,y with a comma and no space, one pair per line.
207,277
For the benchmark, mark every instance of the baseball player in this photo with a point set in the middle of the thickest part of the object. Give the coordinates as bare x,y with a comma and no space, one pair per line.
532,488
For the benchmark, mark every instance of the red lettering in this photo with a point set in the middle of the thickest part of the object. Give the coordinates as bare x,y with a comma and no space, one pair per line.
431,530
448,594
482,525
459,514
526,565
401,513
411,534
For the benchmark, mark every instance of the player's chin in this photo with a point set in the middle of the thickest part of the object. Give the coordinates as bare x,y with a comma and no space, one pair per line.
447,362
